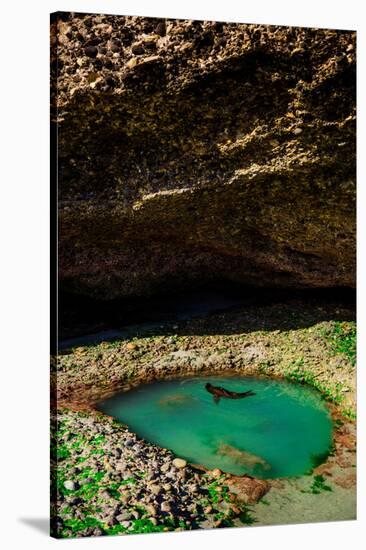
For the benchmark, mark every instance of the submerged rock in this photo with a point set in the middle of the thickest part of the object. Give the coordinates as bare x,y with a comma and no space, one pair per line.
231,151
242,457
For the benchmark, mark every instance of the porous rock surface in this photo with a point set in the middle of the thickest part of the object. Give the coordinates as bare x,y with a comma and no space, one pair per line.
191,148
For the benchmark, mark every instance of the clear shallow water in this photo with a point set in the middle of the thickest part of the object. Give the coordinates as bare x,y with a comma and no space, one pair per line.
283,430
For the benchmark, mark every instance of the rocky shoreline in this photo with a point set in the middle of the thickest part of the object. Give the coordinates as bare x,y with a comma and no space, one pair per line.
127,485
108,481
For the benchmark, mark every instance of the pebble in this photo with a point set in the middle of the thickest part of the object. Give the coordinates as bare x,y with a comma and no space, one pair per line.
123,517
126,524
115,47
155,489
137,49
130,345
297,131
160,28
151,509
91,51
108,63
70,485
165,507
131,63
179,463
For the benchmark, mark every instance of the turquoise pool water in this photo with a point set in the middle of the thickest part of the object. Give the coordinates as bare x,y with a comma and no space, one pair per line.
283,430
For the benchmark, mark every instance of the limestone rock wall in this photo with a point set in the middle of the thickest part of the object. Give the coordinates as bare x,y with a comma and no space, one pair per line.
194,150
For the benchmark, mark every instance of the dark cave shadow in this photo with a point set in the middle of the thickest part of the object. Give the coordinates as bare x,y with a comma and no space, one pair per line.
42,525
204,311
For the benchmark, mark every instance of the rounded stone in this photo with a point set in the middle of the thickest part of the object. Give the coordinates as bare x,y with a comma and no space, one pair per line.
131,346
137,49
70,485
165,507
91,51
126,524
179,463
155,489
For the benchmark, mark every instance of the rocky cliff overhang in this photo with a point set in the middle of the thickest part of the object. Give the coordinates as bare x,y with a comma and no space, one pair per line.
194,150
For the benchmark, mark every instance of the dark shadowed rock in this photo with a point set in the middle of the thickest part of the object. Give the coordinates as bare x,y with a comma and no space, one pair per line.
160,28
91,51
137,49
230,152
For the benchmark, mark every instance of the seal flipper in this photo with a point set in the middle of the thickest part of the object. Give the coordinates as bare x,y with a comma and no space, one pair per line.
216,399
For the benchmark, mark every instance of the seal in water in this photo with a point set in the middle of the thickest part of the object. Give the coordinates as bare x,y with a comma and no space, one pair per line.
218,391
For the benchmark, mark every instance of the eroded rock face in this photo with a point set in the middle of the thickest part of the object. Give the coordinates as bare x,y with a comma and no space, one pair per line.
193,149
